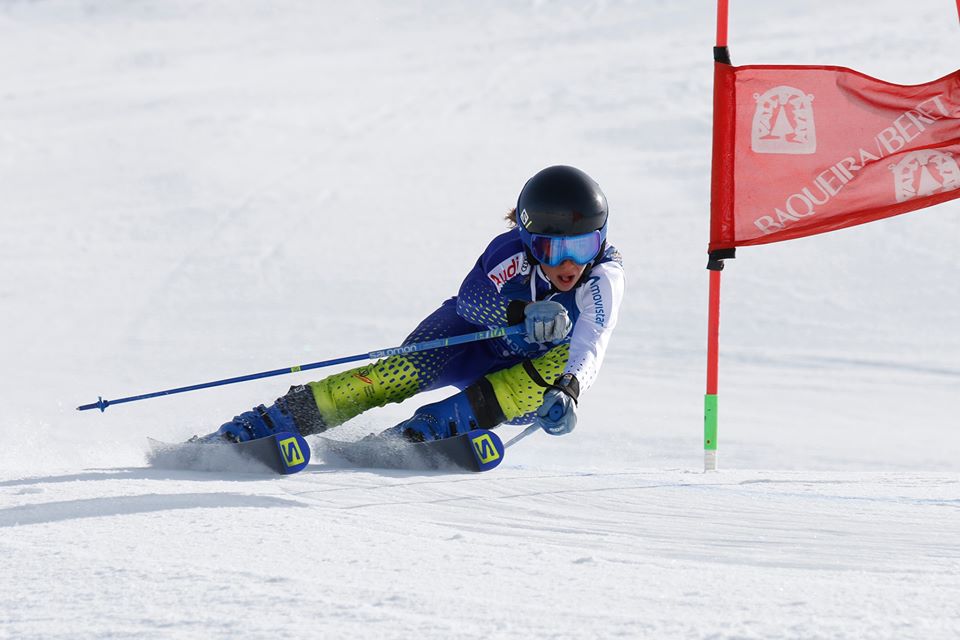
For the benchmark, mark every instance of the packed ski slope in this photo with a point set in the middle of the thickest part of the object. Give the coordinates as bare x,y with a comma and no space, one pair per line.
195,190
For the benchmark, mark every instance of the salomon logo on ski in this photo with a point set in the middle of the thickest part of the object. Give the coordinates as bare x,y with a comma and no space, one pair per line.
292,455
486,450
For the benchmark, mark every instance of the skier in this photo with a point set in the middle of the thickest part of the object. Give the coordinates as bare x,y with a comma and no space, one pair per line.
553,271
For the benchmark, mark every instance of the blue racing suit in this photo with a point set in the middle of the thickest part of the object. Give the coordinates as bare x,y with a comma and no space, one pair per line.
493,294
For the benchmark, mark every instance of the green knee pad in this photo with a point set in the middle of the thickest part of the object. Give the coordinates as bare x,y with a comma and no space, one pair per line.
519,392
349,393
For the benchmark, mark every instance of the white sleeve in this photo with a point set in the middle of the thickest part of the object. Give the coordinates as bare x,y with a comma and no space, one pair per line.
599,301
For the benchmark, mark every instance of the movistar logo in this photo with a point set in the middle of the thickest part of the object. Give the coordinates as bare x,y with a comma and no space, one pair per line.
599,314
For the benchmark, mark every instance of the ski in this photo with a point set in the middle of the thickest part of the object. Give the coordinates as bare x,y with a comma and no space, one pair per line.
282,453
477,450
286,453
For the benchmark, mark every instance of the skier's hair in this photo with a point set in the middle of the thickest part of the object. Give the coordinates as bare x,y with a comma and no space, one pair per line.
511,218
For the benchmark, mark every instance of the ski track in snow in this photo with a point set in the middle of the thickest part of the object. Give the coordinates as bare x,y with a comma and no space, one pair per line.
195,190
768,553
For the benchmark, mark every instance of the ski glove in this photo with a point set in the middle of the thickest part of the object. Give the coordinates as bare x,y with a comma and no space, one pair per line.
546,321
558,413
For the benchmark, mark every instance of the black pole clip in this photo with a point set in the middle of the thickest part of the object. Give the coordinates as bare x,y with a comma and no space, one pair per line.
715,262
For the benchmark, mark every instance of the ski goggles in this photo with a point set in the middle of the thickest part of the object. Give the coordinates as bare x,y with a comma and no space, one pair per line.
552,250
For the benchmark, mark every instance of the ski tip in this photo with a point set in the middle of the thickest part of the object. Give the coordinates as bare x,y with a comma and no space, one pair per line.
294,452
487,448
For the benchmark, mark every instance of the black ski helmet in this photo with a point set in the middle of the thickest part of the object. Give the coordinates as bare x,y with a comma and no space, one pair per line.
561,201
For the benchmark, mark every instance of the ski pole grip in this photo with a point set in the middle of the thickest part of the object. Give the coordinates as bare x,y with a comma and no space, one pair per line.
99,404
556,412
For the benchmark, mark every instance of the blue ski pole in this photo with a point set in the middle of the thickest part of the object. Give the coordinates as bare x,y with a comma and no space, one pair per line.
556,412
382,353
523,434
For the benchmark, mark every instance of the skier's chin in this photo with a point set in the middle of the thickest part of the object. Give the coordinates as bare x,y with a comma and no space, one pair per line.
565,275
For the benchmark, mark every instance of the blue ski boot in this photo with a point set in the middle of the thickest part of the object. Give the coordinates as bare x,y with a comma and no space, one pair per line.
475,407
261,422
295,412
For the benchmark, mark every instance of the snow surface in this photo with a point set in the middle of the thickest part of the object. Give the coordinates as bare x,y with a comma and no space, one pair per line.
195,190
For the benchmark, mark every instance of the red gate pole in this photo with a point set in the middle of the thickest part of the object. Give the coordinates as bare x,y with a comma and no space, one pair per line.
715,265
713,363
722,14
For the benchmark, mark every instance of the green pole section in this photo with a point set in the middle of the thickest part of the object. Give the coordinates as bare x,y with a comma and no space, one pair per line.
713,366
710,432
710,422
